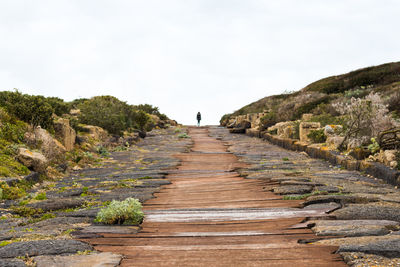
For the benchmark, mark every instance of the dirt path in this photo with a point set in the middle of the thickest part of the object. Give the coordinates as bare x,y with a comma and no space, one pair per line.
209,215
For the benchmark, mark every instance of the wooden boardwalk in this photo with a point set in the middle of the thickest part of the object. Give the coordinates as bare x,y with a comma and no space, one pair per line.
209,216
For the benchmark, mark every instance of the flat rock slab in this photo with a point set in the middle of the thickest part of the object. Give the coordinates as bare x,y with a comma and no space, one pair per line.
43,247
329,189
105,259
343,199
354,227
296,182
387,248
327,207
293,189
12,263
370,211
57,204
292,179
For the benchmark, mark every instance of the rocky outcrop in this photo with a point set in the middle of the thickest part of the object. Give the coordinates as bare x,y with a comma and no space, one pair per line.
32,160
306,128
283,129
96,132
241,127
65,133
49,146
387,157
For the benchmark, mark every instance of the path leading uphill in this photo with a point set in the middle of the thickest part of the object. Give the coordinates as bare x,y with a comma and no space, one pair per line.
209,215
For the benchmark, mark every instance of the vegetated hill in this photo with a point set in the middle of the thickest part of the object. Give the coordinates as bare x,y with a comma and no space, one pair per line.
22,114
318,97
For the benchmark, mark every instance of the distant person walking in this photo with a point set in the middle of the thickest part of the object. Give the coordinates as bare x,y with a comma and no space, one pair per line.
198,118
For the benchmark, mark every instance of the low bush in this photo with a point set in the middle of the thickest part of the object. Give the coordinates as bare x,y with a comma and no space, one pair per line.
328,119
128,211
103,151
184,135
364,118
317,136
374,146
296,130
151,110
11,192
31,109
112,114
41,196
309,106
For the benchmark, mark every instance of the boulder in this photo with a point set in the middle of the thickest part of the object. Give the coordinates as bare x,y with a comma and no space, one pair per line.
65,133
244,124
284,129
334,141
96,132
75,112
50,146
172,122
389,156
33,160
306,128
330,130
33,178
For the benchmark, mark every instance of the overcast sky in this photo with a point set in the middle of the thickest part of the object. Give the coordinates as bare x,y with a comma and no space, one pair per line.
184,56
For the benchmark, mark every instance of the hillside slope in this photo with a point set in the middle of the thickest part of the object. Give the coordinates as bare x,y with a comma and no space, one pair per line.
318,97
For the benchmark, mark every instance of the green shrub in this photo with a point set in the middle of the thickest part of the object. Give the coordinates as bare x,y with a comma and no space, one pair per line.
151,110
184,135
128,211
13,132
140,120
309,106
376,75
107,112
357,93
25,211
328,119
102,151
374,146
317,136
112,114
41,196
59,106
11,192
296,130
32,109
10,166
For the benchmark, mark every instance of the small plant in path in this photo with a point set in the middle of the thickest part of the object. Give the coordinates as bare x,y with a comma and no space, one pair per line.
128,211
184,135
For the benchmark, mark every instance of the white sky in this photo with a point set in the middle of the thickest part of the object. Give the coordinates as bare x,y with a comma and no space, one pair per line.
184,56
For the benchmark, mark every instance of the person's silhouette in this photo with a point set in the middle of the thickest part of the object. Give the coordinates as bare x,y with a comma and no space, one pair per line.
198,118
